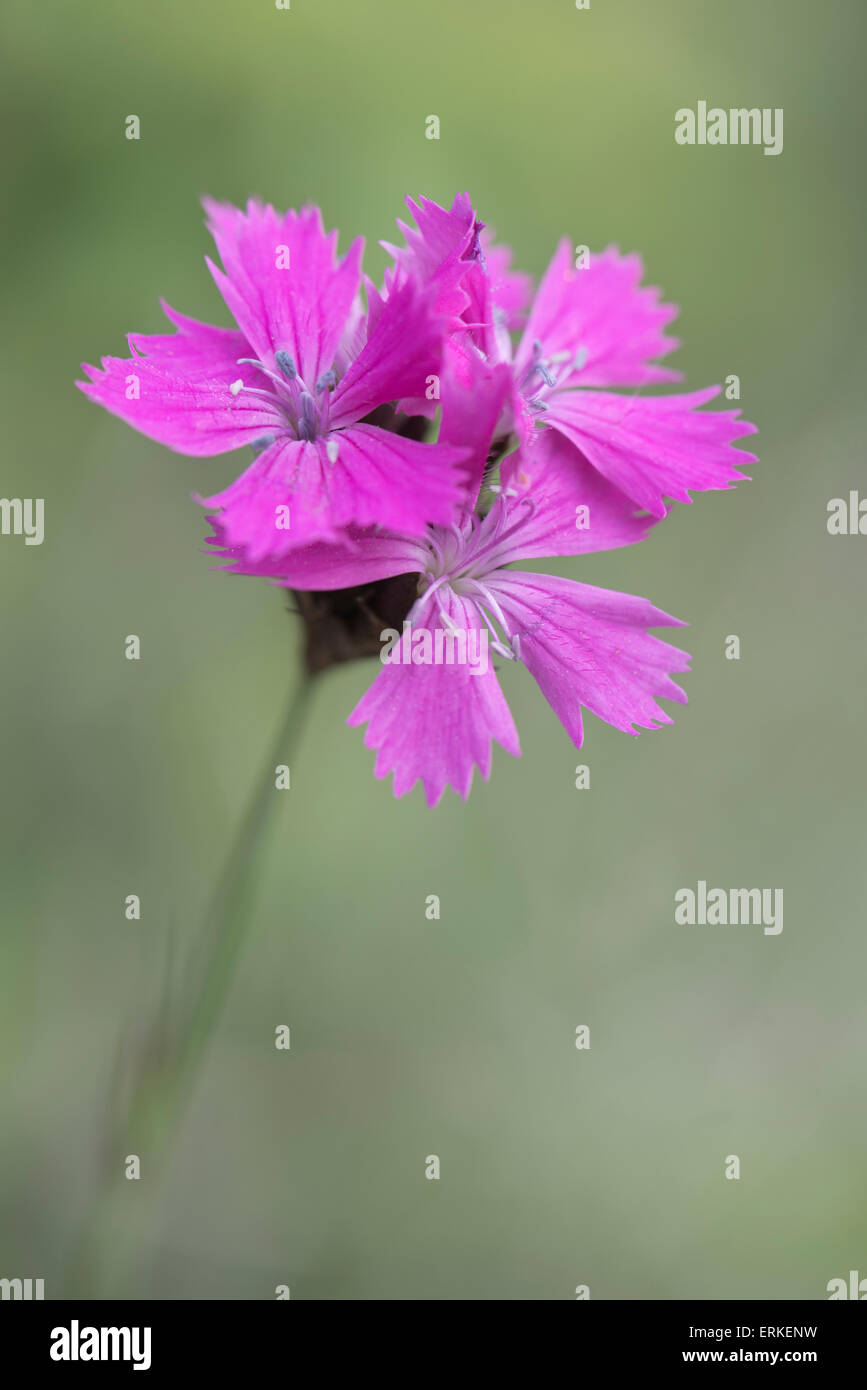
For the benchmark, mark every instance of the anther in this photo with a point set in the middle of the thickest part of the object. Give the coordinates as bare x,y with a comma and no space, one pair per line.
476,252
260,367
327,381
285,363
307,422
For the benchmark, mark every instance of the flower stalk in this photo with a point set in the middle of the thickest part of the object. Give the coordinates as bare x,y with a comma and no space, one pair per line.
148,1099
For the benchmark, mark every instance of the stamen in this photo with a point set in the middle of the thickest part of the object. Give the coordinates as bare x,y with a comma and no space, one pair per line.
254,391
511,648
491,602
262,442
307,423
260,366
285,363
448,621
501,648
488,624
434,543
422,598
494,544
537,364
327,381
542,365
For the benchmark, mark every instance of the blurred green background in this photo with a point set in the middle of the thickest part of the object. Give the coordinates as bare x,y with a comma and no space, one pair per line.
455,1037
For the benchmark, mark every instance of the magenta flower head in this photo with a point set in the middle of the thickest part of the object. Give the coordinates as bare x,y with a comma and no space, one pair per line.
295,380
650,447
591,326
436,707
413,452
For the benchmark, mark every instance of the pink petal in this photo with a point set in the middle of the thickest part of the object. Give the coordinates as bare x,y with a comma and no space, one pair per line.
195,348
589,647
376,479
511,291
556,480
301,309
403,351
443,235
360,557
183,383
654,447
601,310
438,253
472,401
436,723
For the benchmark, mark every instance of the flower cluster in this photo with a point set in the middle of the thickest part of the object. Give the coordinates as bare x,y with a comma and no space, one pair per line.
412,446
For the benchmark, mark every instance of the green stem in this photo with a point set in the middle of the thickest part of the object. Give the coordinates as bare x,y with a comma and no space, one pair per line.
226,921
169,1065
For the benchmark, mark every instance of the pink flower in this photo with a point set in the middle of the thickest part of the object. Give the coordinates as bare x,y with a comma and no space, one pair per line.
589,329
384,538
296,379
595,328
585,647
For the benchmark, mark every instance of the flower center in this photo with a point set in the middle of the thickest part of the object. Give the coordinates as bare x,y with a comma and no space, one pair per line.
462,557
546,374
299,412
